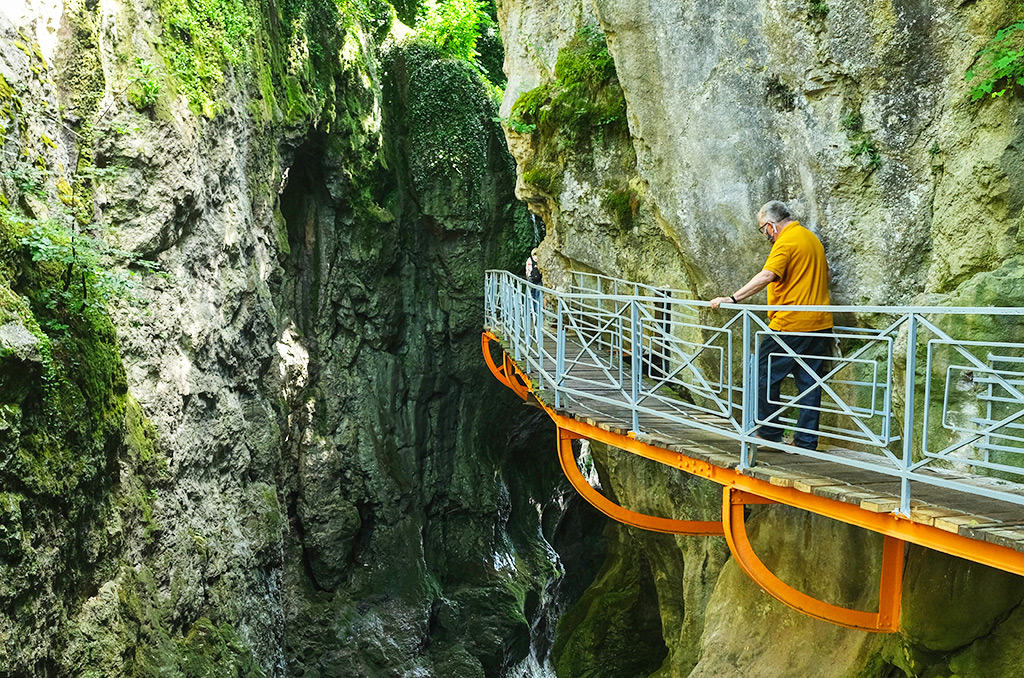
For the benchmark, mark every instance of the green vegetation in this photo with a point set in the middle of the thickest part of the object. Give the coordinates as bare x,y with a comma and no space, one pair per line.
853,123
863,146
466,30
585,97
544,179
520,237
999,66
614,627
580,108
291,55
81,70
623,203
818,9
778,94
516,126
145,89
91,272
128,633
446,108
201,38
62,418
452,25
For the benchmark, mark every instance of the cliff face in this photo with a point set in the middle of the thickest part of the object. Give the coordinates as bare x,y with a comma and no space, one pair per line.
245,425
858,115
648,135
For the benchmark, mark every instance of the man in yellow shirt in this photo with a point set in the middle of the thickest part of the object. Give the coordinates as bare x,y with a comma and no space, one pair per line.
796,273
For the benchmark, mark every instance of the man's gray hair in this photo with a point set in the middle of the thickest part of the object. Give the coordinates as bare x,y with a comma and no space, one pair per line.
774,211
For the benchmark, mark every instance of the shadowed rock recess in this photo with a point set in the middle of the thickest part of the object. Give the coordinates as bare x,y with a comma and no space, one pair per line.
245,429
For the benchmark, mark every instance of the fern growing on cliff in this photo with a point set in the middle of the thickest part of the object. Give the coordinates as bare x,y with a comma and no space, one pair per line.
1000,64
84,273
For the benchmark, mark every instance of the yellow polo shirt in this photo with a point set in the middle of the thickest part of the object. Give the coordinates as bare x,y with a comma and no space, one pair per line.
798,258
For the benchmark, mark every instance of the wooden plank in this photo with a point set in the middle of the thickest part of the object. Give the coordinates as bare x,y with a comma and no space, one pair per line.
844,493
954,523
1010,537
926,514
881,504
783,478
808,483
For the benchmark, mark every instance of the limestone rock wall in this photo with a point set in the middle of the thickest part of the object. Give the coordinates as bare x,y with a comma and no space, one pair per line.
858,115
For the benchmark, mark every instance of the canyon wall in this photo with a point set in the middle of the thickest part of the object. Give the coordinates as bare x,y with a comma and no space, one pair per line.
246,427
647,135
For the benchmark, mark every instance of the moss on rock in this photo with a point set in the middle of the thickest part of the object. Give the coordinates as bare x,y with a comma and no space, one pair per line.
582,106
614,629
126,629
585,97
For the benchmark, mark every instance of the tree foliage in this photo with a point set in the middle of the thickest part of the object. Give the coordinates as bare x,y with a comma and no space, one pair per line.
453,25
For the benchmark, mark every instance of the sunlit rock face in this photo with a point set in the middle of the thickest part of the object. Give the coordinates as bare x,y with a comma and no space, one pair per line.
858,115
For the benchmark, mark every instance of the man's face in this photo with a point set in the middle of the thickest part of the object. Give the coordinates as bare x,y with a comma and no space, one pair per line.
768,229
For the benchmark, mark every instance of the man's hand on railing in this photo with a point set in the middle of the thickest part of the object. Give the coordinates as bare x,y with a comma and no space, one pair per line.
755,285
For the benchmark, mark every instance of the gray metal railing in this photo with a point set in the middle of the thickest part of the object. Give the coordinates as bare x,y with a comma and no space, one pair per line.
656,356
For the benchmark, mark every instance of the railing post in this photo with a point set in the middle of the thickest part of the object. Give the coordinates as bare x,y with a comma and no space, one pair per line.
636,346
528,322
559,355
488,277
620,332
748,399
517,327
506,306
910,378
539,327
990,393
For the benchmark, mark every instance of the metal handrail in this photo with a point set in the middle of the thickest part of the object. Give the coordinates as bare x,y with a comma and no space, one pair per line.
667,358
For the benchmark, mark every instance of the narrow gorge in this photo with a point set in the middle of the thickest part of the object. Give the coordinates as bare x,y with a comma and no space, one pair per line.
245,424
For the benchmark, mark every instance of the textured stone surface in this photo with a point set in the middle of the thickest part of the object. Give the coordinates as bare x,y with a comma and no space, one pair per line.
731,105
858,116
312,472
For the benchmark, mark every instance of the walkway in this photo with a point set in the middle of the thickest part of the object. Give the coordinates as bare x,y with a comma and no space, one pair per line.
933,461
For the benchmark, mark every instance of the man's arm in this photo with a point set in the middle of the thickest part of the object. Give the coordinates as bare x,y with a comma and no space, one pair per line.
756,284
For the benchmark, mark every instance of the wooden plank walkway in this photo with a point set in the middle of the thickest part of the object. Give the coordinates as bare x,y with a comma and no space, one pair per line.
970,515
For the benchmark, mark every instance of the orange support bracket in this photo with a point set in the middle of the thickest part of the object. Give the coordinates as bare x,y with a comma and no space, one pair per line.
508,373
621,513
885,620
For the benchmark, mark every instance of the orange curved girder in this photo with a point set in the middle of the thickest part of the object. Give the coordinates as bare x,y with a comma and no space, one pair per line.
508,373
621,513
885,620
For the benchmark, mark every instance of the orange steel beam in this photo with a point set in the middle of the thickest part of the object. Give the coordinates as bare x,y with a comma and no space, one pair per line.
508,372
885,620
621,513
888,524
